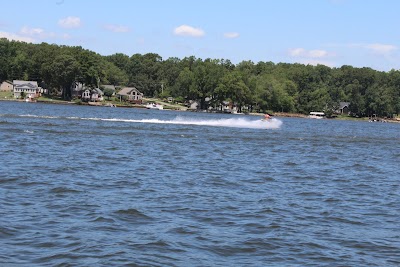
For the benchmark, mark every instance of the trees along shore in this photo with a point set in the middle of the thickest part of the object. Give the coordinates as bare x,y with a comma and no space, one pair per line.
251,87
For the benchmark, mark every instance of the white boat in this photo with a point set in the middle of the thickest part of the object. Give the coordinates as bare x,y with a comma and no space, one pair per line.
316,115
154,106
110,105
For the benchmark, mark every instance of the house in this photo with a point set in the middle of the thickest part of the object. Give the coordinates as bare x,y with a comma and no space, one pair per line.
131,94
6,86
41,91
92,95
226,107
29,88
195,104
343,108
97,95
77,89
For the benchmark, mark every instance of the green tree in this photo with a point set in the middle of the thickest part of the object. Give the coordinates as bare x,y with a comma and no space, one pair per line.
108,92
121,61
184,84
357,103
62,73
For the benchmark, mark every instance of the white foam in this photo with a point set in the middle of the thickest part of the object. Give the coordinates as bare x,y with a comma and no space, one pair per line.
231,122
223,122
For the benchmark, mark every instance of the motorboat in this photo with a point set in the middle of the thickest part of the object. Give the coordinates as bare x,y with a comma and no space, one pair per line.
154,106
316,115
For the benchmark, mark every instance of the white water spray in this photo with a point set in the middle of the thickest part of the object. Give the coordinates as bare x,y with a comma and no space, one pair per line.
180,120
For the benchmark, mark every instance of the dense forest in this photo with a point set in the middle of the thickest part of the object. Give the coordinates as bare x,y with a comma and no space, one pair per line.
255,86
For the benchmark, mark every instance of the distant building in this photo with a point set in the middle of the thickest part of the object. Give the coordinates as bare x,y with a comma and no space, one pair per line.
97,95
343,108
6,86
77,89
29,88
131,94
92,95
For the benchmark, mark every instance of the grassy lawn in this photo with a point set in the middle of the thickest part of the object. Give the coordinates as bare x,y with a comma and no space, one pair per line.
6,95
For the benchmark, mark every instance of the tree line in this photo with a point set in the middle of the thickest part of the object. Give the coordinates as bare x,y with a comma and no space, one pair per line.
278,87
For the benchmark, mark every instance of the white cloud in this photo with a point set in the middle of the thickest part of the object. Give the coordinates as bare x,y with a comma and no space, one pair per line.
116,28
381,48
36,33
231,35
66,36
31,31
16,37
296,52
185,30
377,48
70,22
301,52
318,53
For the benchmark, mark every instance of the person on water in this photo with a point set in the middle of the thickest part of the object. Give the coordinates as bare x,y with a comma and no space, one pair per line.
266,117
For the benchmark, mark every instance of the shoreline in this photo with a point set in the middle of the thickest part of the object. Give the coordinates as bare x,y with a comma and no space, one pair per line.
176,108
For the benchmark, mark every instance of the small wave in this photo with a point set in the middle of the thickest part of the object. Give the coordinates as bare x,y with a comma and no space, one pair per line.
8,180
7,232
48,244
132,215
182,231
39,116
61,190
234,250
345,220
103,219
132,212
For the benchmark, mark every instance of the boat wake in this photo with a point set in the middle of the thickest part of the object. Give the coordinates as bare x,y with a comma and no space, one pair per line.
179,120
232,122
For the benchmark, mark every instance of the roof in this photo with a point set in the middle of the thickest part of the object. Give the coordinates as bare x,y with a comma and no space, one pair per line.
97,90
77,86
94,91
343,104
22,83
128,90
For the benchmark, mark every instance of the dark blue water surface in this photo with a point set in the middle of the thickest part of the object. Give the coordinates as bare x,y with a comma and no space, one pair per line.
97,186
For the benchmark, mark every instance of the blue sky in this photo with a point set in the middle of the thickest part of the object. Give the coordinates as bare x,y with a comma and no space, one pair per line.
361,33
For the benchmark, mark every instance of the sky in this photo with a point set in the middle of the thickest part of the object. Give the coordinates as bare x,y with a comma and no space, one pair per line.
360,33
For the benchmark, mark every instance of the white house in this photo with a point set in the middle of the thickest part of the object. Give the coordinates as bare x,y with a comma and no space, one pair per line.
29,88
93,95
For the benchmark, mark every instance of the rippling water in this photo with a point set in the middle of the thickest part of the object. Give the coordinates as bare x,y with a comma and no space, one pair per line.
96,186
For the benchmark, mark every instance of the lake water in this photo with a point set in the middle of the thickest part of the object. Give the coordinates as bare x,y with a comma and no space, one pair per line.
99,186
